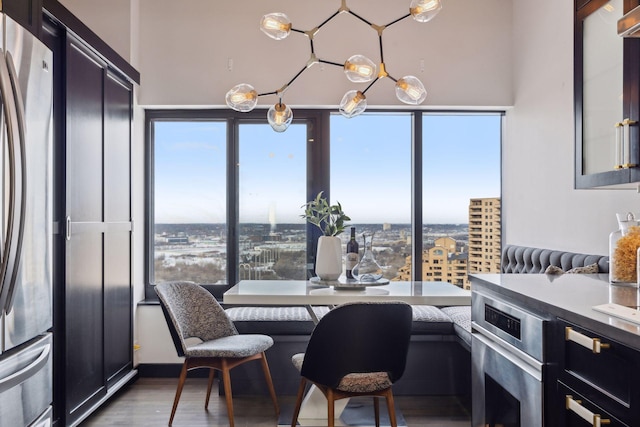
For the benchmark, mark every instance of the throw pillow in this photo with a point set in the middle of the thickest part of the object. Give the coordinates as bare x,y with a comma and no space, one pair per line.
587,269
553,269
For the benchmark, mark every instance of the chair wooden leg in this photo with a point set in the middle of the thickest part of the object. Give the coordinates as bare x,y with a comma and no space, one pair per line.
227,390
267,376
212,373
296,410
376,410
176,399
330,408
391,408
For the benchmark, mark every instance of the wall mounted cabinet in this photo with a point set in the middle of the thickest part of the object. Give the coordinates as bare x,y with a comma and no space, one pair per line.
607,96
27,13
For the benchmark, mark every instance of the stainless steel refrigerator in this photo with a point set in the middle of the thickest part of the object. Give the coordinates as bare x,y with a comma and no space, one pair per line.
26,86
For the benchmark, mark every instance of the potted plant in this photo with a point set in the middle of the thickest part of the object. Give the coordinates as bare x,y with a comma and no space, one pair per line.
330,219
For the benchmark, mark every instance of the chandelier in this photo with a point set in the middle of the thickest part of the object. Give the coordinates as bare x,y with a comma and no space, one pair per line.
358,68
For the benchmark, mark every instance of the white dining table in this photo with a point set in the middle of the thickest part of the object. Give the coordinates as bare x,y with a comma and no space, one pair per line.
308,294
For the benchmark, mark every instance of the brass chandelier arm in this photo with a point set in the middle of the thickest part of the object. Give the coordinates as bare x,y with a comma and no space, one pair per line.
397,20
331,63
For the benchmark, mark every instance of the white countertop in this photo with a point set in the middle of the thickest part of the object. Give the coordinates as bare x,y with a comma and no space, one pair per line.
300,292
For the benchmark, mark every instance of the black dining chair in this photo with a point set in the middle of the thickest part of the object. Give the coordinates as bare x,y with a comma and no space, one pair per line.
192,312
356,349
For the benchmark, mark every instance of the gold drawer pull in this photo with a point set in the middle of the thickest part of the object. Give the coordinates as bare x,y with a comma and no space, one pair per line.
576,407
592,344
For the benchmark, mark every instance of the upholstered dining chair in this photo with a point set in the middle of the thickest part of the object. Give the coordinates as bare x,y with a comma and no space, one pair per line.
192,312
356,349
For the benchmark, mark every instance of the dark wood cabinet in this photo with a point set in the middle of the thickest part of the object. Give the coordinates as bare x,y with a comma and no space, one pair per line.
27,13
597,378
607,97
118,333
98,303
93,301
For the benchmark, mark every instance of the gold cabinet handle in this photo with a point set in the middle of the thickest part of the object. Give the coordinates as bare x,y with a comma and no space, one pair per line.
576,407
623,144
592,344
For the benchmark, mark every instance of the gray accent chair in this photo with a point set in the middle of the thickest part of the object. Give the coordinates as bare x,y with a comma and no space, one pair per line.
356,349
192,312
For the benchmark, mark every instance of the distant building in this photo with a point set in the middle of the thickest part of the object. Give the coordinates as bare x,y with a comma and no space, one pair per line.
485,221
441,262
173,240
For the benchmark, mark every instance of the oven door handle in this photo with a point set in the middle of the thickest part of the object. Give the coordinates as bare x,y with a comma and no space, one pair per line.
576,407
592,344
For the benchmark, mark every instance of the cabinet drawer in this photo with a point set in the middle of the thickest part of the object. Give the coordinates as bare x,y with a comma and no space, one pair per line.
606,367
578,411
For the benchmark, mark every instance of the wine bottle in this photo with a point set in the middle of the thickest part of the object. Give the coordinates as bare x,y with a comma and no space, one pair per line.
352,254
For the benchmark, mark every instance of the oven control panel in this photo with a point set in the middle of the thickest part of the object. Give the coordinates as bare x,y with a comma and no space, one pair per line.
503,321
507,322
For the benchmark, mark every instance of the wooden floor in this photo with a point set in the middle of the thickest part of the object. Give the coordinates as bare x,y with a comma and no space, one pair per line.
148,401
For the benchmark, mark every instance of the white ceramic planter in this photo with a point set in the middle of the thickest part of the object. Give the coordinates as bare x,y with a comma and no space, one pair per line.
329,258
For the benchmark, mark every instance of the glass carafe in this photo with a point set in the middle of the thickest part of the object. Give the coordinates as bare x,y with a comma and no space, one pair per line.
367,269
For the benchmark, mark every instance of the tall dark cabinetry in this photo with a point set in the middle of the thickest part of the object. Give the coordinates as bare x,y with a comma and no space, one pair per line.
97,228
92,207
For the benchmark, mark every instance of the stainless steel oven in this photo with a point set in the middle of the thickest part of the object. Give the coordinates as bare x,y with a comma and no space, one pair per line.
507,364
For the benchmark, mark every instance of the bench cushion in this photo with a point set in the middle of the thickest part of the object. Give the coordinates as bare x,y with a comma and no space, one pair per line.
427,320
461,317
274,320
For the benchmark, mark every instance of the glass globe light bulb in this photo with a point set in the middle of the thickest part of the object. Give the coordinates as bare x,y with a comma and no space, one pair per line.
353,103
425,10
410,90
360,69
276,25
279,117
242,97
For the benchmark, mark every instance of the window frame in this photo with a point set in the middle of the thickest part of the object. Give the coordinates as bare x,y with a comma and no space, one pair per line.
318,174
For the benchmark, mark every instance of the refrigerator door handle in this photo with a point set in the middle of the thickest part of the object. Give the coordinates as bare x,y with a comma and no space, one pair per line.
23,374
11,120
20,185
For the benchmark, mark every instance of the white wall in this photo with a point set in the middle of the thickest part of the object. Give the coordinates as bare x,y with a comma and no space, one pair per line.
111,20
540,206
186,47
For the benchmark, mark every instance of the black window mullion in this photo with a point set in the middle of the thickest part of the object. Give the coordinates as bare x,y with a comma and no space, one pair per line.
416,220
232,200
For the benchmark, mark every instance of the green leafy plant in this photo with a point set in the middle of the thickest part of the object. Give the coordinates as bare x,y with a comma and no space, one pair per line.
330,219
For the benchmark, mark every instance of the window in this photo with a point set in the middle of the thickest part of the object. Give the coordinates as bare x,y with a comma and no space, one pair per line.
272,240
460,163
189,234
371,178
225,191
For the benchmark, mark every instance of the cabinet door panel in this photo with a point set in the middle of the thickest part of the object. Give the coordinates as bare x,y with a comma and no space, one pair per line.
117,304
84,136
117,133
83,340
569,416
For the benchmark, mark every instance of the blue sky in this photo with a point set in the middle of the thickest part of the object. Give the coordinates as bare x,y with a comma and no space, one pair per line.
370,169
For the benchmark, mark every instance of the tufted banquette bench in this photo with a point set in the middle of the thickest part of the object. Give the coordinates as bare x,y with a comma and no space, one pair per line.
439,356
436,364
523,259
